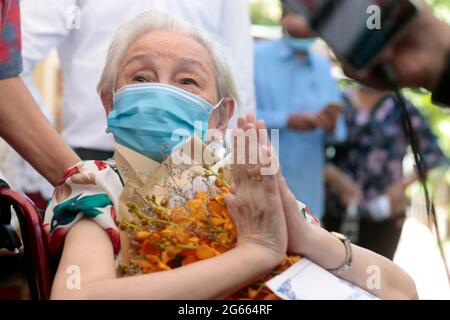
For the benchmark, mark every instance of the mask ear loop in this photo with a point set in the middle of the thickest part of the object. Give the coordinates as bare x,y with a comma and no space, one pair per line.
219,104
218,144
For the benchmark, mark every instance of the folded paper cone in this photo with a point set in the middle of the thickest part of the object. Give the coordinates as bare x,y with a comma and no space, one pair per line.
143,176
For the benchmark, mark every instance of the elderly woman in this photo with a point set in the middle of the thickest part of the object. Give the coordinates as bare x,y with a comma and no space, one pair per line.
176,62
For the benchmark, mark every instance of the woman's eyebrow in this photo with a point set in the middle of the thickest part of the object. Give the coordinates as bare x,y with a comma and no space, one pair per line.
149,60
189,63
146,59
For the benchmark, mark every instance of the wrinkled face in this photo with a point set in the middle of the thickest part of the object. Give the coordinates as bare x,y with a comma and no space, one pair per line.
171,58
297,26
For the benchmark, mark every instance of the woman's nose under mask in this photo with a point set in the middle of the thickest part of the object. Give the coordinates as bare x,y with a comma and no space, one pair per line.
153,119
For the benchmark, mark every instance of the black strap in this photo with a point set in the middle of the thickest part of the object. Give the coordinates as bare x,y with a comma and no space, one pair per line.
93,154
441,95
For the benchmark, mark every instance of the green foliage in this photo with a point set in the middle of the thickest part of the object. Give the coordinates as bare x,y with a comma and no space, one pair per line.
438,118
441,8
265,12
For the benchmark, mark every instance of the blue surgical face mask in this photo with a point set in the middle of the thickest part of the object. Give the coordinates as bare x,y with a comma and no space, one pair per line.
153,119
299,45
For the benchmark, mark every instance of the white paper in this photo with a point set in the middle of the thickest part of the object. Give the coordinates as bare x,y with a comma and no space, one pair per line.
306,280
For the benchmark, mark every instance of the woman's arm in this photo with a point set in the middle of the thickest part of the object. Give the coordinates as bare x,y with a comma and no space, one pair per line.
369,270
328,251
27,130
89,248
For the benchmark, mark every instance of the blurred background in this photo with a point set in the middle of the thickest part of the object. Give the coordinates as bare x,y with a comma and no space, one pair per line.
417,252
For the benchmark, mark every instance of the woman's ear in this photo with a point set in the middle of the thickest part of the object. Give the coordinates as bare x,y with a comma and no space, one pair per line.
226,113
107,100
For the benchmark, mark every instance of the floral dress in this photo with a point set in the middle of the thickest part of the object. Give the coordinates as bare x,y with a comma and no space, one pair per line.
89,189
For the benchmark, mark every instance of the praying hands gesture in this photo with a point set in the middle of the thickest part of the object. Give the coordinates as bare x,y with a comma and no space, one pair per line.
249,187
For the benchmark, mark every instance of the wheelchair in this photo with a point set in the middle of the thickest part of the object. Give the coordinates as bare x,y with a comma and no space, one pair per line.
38,265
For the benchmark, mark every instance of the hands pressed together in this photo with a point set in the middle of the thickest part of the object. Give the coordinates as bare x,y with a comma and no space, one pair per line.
265,212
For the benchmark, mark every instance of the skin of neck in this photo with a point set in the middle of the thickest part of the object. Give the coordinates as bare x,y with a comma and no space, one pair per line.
367,100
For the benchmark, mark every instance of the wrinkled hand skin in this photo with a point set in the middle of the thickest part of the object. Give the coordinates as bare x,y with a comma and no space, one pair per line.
257,211
272,191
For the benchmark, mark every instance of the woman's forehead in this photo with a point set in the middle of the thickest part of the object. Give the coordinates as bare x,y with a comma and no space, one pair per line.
169,45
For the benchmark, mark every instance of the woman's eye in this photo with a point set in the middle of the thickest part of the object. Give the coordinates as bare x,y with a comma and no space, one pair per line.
189,81
140,79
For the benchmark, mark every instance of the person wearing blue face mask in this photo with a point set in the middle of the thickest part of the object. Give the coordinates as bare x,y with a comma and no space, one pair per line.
300,45
296,93
145,117
162,75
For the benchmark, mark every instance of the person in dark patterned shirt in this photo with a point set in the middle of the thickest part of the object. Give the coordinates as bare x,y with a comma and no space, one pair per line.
22,124
367,169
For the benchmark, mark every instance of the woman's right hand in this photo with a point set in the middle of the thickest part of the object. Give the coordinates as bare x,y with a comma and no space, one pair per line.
256,208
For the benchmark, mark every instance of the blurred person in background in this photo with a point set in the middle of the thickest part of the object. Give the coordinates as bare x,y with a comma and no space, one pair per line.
81,32
420,57
24,128
297,94
367,168
22,124
20,175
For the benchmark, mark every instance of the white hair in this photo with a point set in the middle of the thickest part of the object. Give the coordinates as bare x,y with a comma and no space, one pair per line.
153,21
